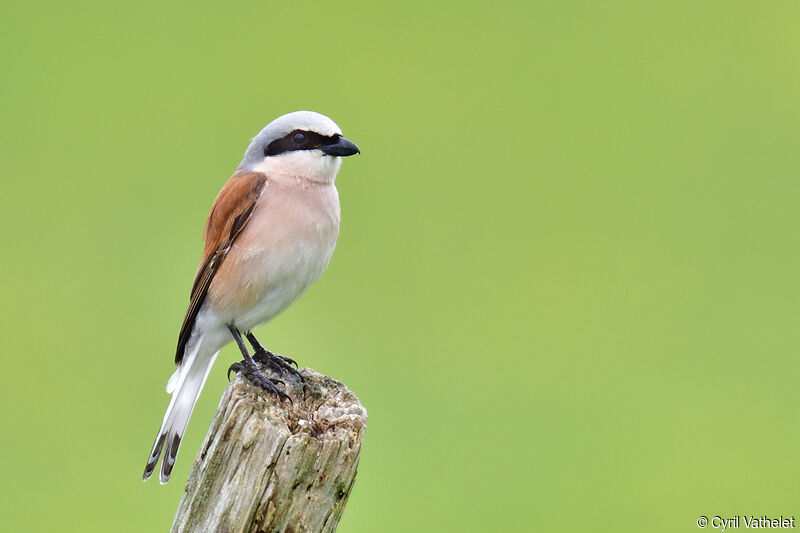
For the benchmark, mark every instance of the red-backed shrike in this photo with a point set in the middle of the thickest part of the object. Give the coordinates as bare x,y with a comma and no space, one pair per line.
270,234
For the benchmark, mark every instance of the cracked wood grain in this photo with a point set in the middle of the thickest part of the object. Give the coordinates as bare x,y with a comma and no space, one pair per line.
271,466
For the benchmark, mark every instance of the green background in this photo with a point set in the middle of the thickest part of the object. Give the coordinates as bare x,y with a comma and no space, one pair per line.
566,283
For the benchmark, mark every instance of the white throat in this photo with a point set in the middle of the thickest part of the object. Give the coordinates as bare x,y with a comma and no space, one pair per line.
306,164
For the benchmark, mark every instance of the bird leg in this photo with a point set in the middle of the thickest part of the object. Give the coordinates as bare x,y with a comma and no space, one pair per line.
250,369
280,364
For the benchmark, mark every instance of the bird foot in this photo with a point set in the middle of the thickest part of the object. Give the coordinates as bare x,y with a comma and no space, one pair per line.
278,363
251,371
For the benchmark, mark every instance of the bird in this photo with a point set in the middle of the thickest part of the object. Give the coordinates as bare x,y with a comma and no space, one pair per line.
270,234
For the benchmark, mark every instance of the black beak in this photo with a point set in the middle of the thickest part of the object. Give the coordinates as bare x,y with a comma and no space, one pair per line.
342,147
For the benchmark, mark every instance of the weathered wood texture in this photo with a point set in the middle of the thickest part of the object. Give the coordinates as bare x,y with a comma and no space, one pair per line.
271,466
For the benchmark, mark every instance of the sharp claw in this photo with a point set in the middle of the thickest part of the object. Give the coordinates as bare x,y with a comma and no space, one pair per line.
278,363
289,360
235,367
254,374
283,396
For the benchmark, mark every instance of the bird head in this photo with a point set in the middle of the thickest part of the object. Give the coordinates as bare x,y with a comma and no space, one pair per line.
303,143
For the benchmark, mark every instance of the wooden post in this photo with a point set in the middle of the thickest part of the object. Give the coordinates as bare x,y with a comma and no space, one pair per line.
272,466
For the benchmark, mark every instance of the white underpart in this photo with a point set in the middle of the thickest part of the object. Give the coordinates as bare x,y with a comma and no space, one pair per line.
296,242
310,164
282,272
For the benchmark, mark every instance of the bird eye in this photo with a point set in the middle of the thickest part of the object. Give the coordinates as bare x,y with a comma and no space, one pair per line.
299,138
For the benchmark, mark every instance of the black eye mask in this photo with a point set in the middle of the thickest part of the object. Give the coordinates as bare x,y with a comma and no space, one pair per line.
299,140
